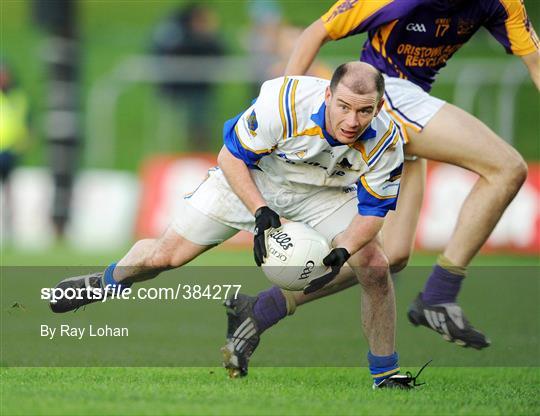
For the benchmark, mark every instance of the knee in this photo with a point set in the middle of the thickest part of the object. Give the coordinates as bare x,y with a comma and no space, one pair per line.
514,172
398,263
517,170
374,273
398,257
160,259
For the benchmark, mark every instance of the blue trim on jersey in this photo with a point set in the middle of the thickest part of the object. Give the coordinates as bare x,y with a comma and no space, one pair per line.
320,119
383,148
288,110
232,142
368,133
368,205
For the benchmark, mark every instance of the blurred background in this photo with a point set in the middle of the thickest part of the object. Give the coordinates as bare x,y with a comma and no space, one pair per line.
111,111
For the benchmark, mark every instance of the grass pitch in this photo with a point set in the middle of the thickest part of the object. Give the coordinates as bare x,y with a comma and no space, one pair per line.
267,391
475,387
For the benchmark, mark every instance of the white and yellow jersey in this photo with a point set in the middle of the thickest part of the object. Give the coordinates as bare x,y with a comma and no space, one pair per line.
283,134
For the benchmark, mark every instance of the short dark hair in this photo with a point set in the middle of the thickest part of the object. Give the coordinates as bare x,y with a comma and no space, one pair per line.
358,86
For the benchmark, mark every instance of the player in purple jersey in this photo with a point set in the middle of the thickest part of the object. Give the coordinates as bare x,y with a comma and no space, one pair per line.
410,41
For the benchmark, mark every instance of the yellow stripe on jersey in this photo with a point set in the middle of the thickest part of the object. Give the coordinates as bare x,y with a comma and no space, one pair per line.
312,131
381,37
372,192
360,146
293,109
258,152
281,109
399,123
341,18
523,40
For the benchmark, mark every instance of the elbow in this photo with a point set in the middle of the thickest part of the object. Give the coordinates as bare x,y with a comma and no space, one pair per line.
317,32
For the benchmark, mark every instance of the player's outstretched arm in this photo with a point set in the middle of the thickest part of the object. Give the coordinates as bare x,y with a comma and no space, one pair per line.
306,49
239,178
532,62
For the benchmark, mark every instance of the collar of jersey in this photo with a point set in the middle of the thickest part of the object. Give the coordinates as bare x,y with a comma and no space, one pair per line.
319,119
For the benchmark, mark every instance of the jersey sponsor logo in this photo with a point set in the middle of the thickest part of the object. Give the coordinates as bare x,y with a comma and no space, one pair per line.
252,123
426,56
416,27
344,6
301,154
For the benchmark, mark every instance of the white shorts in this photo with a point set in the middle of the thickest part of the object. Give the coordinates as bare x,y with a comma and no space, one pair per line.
213,213
409,105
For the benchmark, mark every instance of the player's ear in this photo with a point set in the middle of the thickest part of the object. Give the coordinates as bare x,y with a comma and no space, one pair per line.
327,95
379,106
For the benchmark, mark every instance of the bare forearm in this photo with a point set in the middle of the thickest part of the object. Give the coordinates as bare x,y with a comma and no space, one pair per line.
239,178
306,48
532,62
360,231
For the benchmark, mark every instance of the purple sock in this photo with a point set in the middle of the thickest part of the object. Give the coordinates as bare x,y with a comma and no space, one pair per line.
270,308
441,287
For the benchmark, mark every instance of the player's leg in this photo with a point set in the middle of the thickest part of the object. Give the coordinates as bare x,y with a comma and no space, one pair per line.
456,137
192,233
378,307
399,227
145,260
370,265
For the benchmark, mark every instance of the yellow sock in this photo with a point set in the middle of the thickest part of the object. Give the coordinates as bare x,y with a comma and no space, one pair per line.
446,264
291,302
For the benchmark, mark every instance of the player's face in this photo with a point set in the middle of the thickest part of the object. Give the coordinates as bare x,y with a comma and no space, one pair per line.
349,114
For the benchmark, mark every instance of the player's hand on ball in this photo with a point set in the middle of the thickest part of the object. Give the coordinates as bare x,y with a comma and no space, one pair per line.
265,218
335,260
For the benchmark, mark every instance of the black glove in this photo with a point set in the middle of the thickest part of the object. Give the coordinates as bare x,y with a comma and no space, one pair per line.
335,259
265,219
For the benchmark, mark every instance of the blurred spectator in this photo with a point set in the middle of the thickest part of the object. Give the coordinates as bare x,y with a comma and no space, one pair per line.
189,32
14,133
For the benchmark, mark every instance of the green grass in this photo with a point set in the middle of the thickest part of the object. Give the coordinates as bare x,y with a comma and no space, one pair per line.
267,391
308,364
63,255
